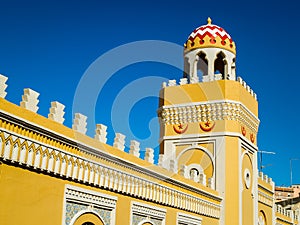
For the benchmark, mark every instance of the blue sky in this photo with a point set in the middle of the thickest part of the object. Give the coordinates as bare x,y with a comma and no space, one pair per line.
49,45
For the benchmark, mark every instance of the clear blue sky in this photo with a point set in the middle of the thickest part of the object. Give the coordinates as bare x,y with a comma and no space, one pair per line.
48,46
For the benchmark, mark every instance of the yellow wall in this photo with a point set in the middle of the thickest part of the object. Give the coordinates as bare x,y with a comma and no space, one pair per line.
268,211
247,199
232,181
28,197
207,91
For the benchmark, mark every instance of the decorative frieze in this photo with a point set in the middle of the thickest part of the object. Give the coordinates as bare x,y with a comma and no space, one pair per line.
208,111
148,211
73,193
265,198
43,157
186,219
79,201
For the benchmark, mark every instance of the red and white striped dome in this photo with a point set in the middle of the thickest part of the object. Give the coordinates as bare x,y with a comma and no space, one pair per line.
210,35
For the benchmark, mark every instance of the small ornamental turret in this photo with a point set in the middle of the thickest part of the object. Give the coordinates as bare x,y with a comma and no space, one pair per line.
209,54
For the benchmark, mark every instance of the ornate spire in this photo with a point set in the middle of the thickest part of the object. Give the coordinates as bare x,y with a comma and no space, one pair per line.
208,20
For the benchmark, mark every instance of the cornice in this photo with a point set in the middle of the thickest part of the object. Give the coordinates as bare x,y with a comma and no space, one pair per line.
208,111
95,152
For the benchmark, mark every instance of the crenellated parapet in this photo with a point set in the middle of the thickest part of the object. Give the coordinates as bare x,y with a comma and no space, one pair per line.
3,86
149,155
134,148
57,112
47,146
192,108
119,141
266,190
184,81
266,179
30,100
100,133
79,123
247,87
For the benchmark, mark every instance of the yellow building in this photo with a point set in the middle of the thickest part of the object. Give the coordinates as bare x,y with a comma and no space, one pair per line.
207,172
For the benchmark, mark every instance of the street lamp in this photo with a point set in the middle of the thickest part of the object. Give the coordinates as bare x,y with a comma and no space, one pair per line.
261,158
291,169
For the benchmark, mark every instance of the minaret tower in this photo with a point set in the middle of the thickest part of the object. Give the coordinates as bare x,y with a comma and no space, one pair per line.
209,123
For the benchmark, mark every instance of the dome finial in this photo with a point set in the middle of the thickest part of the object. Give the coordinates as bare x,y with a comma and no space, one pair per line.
208,20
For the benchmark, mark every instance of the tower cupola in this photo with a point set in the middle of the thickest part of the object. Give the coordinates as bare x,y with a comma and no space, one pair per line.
209,54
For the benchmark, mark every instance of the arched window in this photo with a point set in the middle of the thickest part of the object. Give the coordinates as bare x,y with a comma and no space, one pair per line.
233,72
196,171
262,218
186,71
88,218
202,65
220,65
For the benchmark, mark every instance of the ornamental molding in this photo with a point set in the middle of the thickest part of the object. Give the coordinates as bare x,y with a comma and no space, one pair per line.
265,198
208,111
186,219
55,161
17,129
81,195
199,137
148,210
78,201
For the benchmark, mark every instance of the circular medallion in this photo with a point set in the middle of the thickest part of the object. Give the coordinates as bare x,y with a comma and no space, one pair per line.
207,126
180,128
247,178
243,131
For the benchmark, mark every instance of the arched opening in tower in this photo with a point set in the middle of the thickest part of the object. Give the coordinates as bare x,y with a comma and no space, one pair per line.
202,65
233,71
186,68
220,65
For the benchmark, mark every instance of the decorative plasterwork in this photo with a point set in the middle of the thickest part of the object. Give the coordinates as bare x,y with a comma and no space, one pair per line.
64,145
208,111
78,201
265,198
73,193
54,161
140,212
185,219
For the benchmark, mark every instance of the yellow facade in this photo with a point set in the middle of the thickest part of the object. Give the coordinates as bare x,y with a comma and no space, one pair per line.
207,171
